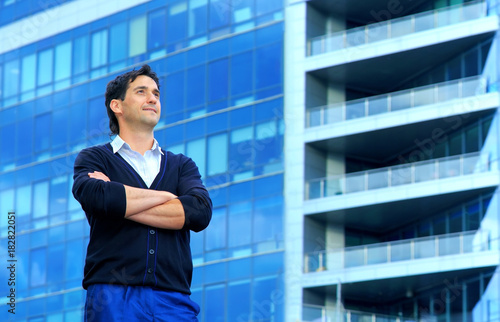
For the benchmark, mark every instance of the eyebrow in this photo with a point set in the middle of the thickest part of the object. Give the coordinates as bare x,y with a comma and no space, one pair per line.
145,87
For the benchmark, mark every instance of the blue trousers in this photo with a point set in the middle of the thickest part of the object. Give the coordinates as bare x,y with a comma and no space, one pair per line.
109,302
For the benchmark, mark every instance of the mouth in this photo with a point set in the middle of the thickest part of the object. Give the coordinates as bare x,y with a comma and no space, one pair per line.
149,109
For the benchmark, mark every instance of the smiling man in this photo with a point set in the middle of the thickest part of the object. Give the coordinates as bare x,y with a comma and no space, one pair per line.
141,203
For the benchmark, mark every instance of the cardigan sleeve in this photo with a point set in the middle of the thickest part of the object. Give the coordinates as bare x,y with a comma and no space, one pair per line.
98,198
194,197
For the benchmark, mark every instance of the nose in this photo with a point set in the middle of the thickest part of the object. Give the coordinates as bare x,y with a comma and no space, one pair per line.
152,99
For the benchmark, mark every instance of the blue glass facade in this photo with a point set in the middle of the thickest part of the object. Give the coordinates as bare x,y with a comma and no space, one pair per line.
220,65
12,10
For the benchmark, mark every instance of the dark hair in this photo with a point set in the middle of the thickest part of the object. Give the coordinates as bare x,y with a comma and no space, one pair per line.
117,88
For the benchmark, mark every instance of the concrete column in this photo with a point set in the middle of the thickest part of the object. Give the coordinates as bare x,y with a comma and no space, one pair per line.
295,50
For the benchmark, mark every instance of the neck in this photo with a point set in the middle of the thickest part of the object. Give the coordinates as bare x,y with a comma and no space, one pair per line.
138,141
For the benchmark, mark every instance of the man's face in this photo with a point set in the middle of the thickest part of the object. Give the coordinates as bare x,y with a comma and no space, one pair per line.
141,106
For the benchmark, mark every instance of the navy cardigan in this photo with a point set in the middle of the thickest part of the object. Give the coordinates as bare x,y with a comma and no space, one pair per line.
122,251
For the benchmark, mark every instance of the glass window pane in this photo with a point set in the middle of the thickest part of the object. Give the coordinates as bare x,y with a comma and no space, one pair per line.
177,22
268,143
178,148
118,43
264,289
56,264
1,78
472,63
242,42
268,65
238,297
456,222
455,69
239,268
215,303
241,149
242,10
217,154
99,48
157,29
38,267
137,36
23,200
63,61
98,117
220,13
240,224
266,6
472,140
60,127
455,145
6,205
28,73
472,219
72,203
42,132
74,259
196,243
174,93
45,66
196,151
218,80
216,231
197,17
41,199
81,55
24,137
6,145
268,186
197,86
78,121
241,73
58,188
267,220
11,78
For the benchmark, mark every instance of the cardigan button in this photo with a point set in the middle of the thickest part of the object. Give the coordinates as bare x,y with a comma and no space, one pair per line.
150,270
151,251
152,232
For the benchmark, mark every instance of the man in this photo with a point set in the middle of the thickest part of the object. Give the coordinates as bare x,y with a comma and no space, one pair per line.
141,203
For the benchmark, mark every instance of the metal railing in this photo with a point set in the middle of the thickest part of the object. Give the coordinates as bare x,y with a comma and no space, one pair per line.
396,27
396,101
318,313
400,250
398,175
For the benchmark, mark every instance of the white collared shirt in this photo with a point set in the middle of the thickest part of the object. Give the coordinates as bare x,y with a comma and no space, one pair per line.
146,166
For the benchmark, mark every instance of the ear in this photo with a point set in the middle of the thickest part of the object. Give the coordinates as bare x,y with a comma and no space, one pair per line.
116,106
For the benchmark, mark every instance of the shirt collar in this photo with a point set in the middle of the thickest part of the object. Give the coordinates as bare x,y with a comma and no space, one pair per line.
118,144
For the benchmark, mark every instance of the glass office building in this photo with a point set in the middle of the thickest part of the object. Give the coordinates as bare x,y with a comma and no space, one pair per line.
391,168
220,65
350,148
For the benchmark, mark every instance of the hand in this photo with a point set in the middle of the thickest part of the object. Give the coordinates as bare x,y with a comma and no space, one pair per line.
99,176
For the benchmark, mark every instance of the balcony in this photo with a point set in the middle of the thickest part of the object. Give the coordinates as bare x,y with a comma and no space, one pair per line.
396,101
398,175
318,313
396,28
401,250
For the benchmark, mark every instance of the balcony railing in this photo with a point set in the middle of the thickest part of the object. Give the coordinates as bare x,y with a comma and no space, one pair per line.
397,101
318,313
396,27
401,250
398,175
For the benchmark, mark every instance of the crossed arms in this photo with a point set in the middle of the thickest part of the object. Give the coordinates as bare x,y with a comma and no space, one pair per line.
160,209
190,209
